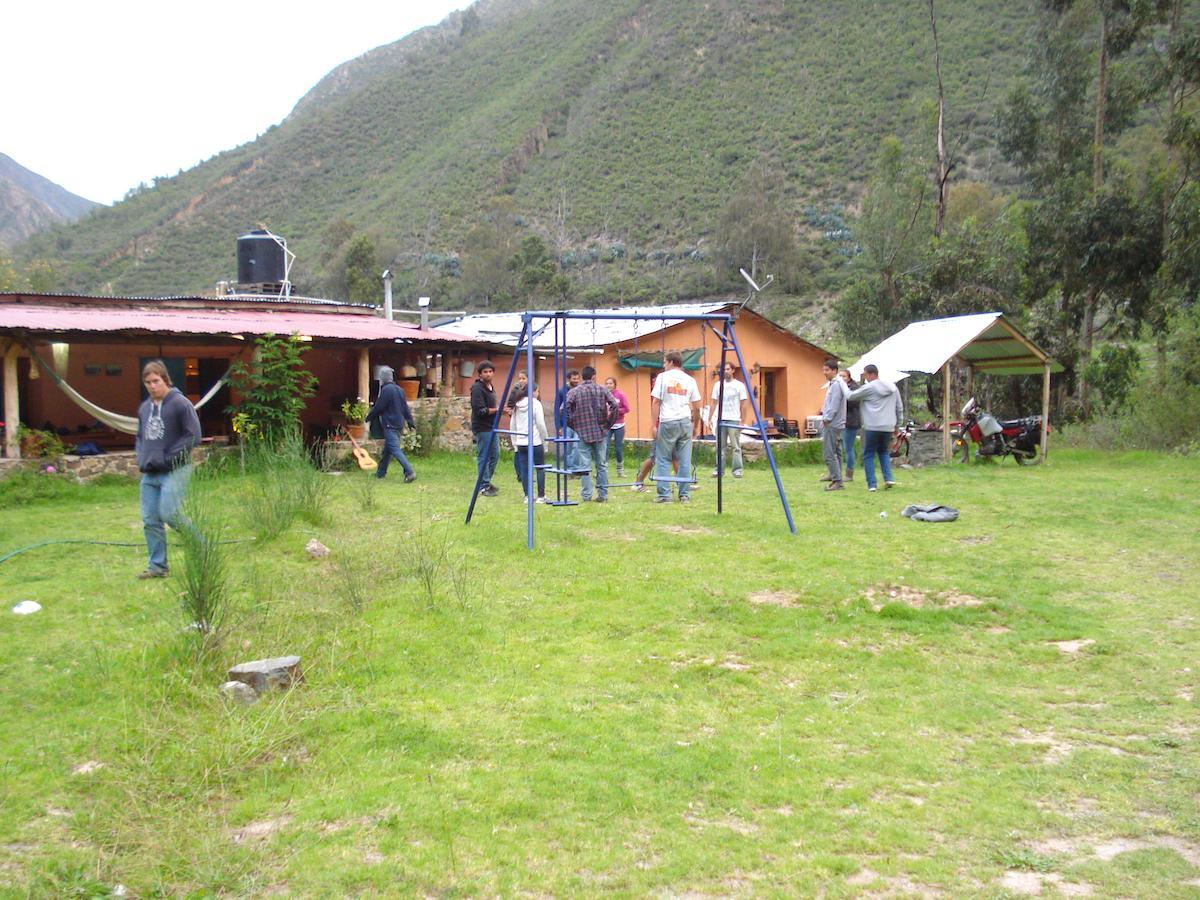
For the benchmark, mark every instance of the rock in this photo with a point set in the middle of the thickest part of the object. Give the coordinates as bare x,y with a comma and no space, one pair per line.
239,691
26,607
264,674
316,549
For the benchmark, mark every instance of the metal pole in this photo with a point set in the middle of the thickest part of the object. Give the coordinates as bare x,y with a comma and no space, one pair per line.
1045,409
945,413
762,430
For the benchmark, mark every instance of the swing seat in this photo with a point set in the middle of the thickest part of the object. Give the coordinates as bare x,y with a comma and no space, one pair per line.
674,479
561,503
554,471
558,440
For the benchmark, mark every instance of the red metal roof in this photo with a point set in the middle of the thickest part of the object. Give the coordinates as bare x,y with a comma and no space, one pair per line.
218,322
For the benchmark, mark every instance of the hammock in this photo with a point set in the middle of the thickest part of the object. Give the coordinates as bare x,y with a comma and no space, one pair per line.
126,424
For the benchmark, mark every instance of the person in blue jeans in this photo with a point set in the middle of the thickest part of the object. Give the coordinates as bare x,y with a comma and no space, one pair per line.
484,407
882,411
675,412
168,429
392,411
570,443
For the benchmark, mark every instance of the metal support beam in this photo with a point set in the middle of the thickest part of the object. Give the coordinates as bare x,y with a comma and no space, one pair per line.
946,412
1045,409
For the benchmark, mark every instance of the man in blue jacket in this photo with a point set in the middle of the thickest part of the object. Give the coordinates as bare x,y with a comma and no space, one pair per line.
391,409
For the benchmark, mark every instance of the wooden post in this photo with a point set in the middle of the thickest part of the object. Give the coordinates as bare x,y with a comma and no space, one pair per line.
946,412
364,372
12,411
1045,408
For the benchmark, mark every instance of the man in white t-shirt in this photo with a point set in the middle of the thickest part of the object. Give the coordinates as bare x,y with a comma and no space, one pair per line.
675,412
733,414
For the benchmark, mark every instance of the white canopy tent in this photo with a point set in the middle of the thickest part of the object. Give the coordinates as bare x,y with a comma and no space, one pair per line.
984,342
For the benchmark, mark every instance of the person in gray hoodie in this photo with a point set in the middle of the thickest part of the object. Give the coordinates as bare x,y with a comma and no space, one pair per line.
882,411
833,421
168,429
391,409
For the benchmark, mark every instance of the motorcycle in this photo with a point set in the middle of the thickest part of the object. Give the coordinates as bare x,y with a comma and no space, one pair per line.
1019,438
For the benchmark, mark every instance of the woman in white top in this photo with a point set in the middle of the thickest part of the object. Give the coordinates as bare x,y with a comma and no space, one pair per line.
520,438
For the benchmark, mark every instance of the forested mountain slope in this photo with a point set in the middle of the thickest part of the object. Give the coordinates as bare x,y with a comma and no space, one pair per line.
615,131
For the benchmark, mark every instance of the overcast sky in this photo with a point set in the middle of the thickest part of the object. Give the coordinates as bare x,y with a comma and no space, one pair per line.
100,95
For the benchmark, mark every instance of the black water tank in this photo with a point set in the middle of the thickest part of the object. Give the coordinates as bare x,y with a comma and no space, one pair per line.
260,260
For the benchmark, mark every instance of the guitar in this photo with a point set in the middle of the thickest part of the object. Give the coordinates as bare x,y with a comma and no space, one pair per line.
361,456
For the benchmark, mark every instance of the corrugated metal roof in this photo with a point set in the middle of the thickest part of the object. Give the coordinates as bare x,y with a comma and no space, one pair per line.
216,322
195,298
987,341
580,334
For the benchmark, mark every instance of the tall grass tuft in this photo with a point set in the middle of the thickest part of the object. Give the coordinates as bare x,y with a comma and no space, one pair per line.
207,596
285,485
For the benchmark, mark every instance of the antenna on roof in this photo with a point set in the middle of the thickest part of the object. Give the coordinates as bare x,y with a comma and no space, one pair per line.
755,289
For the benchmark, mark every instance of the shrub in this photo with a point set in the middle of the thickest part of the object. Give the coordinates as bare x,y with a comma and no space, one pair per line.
273,390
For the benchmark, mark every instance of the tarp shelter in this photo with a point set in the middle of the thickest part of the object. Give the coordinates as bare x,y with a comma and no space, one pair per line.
984,342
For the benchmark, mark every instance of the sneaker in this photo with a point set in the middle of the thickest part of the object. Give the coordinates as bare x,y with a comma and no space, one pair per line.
152,572
410,477
716,474
662,499
620,471
685,499
541,500
490,491
737,473
888,485
639,487
871,490
826,478
601,499
849,475
835,486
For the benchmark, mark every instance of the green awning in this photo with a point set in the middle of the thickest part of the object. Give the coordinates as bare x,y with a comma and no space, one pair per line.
692,359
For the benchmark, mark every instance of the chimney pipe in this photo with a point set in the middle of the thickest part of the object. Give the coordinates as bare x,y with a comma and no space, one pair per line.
387,294
423,303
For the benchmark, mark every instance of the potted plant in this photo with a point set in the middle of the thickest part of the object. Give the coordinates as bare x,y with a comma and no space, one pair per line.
355,412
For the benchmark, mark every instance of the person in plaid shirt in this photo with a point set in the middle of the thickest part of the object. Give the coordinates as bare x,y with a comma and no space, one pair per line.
590,410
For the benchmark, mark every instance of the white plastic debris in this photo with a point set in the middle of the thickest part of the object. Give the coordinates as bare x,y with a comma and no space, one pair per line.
27,607
883,515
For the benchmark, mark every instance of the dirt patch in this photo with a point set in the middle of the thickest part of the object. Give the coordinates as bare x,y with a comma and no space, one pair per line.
976,539
731,662
862,878
684,529
1031,884
1072,646
260,831
773,598
697,818
998,629
1078,850
87,768
1057,750
880,595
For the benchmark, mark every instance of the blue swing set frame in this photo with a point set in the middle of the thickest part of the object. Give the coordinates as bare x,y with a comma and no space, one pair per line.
534,323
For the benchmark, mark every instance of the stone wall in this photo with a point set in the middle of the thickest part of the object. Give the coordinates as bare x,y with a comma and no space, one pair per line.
925,449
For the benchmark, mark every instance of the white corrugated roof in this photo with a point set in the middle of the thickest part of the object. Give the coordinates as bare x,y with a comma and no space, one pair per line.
986,341
581,334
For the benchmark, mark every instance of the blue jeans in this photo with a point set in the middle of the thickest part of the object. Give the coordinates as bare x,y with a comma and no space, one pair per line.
162,497
674,442
487,454
594,453
848,437
617,442
571,449
522,463
877,443
391,447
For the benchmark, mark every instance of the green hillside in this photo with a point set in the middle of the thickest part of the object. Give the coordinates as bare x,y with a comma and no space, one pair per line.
625,125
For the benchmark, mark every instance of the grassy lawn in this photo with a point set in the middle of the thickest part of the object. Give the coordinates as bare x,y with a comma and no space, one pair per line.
657,700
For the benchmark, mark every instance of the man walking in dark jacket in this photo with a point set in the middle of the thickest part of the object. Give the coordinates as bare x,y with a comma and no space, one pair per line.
391,409
168,429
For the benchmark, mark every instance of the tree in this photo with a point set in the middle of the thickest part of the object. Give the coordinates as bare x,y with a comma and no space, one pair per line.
487,279
537,273
274,388
754,231
362,271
